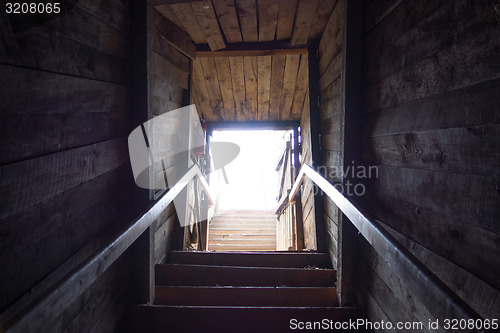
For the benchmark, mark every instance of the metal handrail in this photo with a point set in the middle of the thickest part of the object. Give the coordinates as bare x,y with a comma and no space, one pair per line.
81,278
438,297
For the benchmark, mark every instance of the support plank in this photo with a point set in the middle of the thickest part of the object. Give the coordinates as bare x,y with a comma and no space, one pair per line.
264,86
268,19
212,80
247,12
286,16
301,88
238,79
226,87
205,14
323,13
189,21
226,13
277,76
201,90
289,81
304,18
250,68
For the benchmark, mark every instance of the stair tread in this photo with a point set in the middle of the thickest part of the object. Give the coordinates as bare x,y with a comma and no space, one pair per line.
204,275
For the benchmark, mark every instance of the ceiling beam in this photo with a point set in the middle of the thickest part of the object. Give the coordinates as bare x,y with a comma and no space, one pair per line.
251,49
252,125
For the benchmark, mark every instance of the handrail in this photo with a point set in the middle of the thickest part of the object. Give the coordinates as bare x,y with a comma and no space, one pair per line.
81,278
438,297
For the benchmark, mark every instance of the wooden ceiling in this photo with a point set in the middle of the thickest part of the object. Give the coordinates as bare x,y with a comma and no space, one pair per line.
250,88
241,86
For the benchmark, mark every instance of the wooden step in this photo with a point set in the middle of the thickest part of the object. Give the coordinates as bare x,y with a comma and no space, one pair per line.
160,318
206,275
248,241
252,259
241,248
246,296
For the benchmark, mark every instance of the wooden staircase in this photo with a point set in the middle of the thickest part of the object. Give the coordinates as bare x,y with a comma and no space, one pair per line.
243,231
239,292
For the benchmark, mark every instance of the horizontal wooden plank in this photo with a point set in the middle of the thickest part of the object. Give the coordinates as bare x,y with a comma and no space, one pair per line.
332,91
398,21
443,111
330,108
46,50
378,10
54,93
87,273
331,40
482,297
245,296
273,259
466,197
169,71
438,233
203,275
428,38
114,13
50,226
158,318
55,132
177,37
471,150
84,27
435,75
332,72
29,182
162,47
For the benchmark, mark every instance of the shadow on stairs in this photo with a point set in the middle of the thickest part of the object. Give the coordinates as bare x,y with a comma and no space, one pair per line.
241,292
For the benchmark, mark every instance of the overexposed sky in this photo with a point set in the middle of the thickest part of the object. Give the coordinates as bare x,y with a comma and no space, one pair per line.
253,181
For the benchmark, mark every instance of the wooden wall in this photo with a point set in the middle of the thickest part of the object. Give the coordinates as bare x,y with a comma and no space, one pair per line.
432,128
332,116
65,179
69,99
307,195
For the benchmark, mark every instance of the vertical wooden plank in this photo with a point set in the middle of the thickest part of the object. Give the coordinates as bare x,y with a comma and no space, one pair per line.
238,79
250,67
201,90
300,87
286,15
226,87
247,11
290,78
314,115
323,12
264,86
226,12
352,143
268,19
185,14
304,19
212,80
205,14
277,75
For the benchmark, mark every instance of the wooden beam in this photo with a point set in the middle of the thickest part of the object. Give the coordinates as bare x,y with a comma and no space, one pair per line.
251,49
252,125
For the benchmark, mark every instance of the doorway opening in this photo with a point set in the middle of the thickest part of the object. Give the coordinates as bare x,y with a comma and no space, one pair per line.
247,191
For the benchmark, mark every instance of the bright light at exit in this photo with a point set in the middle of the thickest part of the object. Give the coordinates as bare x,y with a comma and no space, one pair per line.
253,181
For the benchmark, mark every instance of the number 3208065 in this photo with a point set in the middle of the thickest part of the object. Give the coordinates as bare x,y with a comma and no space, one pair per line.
32,8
